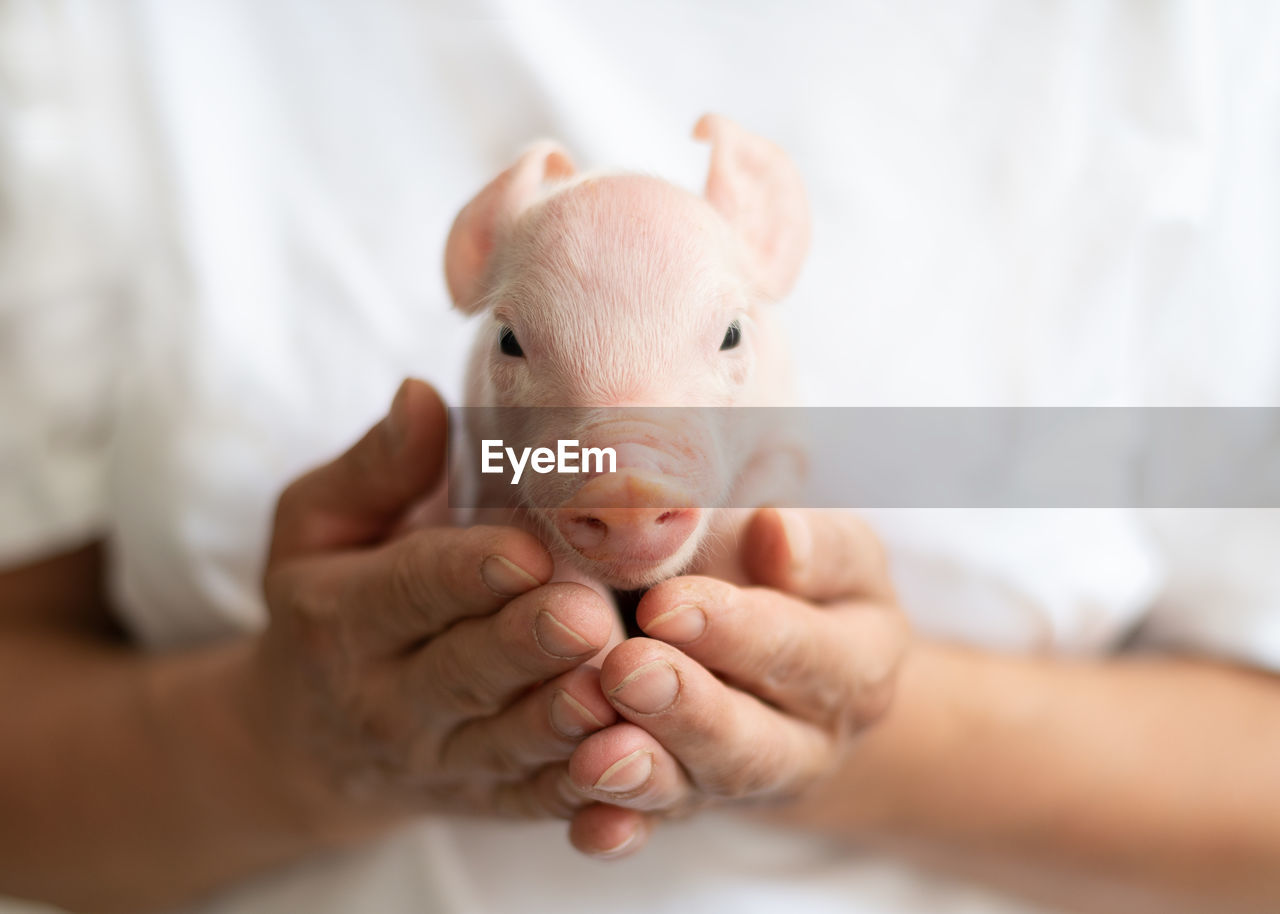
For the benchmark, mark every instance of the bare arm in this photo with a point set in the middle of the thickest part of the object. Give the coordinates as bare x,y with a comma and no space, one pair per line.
126,781
1123,785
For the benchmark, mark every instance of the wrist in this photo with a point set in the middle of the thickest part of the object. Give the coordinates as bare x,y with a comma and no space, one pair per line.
217,723
291,753
870,795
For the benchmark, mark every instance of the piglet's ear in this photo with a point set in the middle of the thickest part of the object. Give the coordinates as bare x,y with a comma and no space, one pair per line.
482,221
758,190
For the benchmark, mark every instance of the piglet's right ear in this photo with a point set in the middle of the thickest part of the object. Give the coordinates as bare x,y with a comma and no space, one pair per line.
480,224
758,190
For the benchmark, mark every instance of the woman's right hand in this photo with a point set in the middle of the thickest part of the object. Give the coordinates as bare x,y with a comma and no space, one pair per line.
433,670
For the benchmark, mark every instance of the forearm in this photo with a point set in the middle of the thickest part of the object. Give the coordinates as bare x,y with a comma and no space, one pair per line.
130,782
1107,785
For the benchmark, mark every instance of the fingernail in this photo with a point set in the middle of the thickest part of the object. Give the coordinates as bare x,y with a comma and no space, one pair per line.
570,717
558,639
505,578
619,849
649,689
396,425
680,625
799,542
627,774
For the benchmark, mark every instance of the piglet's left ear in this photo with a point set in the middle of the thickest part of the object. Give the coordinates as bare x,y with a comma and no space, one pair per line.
758,190
478,228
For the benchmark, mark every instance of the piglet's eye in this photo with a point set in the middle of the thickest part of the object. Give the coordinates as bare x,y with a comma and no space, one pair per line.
508,343
732,337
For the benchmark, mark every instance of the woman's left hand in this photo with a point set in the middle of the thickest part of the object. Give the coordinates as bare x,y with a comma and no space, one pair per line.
743,694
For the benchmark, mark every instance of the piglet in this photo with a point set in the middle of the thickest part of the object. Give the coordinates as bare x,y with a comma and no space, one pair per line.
633,302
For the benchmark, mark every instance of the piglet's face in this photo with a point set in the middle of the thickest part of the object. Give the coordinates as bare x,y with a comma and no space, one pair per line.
623,291
619,291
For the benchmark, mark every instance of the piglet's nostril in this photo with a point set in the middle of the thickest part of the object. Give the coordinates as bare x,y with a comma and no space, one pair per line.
587,532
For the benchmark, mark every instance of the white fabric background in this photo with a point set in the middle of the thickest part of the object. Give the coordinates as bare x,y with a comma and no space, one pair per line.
222,240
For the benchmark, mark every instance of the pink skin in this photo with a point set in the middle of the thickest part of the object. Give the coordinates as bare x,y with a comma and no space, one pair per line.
619,290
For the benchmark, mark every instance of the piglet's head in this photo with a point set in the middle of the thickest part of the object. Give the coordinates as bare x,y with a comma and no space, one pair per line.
622,290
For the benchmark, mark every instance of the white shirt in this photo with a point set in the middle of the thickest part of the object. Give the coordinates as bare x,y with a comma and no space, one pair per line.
228,221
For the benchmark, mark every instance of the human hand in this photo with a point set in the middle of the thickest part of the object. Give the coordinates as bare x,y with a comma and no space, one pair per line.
743,694
416,670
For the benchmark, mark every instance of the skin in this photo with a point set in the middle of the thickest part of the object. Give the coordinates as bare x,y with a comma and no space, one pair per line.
979,768
617,290
566,277
134,782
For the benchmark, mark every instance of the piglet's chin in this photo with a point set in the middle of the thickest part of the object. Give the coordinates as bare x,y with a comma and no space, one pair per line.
622,573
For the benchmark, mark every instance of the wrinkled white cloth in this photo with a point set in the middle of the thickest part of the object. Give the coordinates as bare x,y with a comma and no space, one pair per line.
222,244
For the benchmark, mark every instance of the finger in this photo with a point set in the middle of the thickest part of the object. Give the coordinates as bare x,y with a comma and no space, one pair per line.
609,832
542,727
729,742
408,590
480,666
625,765
835,666
547,793
358,497
816,554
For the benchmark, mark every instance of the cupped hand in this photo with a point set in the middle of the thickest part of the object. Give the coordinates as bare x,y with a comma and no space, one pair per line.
411,670
743,695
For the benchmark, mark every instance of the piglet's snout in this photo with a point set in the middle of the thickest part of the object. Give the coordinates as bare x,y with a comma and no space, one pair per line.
628,518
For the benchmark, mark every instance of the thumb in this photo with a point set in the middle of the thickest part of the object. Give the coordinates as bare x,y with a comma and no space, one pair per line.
822,554
358,497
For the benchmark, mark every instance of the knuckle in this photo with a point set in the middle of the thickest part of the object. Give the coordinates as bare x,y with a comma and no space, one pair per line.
556,793
485,746
745,776
871,701
743,767
789,667
461,684
381,729
455,563
370,749
514,645
872,681
503,758
439,567
518,801
841,705
310,613
872,708
317,629
467,796
414,573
